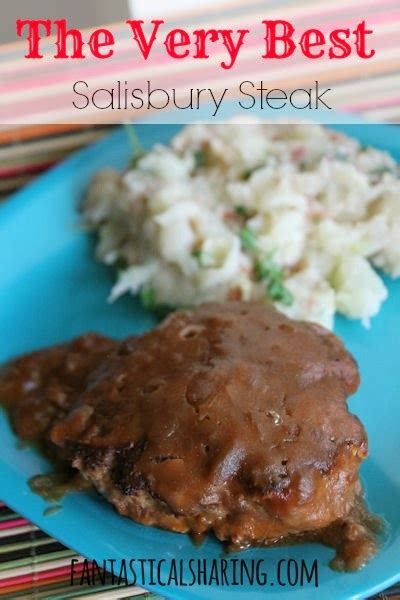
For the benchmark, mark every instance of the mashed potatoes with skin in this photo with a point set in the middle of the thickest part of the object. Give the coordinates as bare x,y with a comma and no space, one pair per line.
297,215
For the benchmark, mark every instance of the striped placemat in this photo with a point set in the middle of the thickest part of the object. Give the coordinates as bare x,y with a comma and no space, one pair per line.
28,151
368,87
35,566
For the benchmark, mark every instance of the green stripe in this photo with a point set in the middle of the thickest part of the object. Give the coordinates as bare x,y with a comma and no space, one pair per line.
34,560
26,544
9,517
61,590
84,591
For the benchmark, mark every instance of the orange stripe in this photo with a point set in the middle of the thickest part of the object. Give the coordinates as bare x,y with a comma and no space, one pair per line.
30,132
28,585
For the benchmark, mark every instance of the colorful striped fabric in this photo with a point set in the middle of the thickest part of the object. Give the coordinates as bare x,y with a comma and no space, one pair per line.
367,87
371,89
26,152
34,565
37,567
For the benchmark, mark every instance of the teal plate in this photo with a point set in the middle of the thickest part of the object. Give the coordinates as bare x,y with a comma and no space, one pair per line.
51,289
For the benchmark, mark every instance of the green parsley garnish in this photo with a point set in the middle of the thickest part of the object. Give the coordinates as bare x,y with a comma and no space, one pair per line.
248,239
147,298
199,158
378,171
242,211
196,253
279,293
303,165
341,156
249,172
137,150
268,271
203,258
121,264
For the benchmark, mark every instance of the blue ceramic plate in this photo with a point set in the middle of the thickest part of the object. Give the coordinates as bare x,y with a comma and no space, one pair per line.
52,289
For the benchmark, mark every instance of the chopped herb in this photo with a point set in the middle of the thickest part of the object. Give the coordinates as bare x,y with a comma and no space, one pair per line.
279,293
271,273
198,254
267,269
137,150
248,173
248,239
147,298
202,257
199,158
303,165
364,147
341,155
242,211
121,264
382,170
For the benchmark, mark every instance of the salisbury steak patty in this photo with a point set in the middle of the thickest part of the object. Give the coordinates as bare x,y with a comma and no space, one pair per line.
40,388
229,417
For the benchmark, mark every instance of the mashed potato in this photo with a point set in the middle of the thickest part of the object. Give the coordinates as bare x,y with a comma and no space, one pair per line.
297,215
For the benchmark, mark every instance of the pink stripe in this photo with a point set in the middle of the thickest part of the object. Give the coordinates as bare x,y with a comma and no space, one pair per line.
361,106
40,576
14,523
